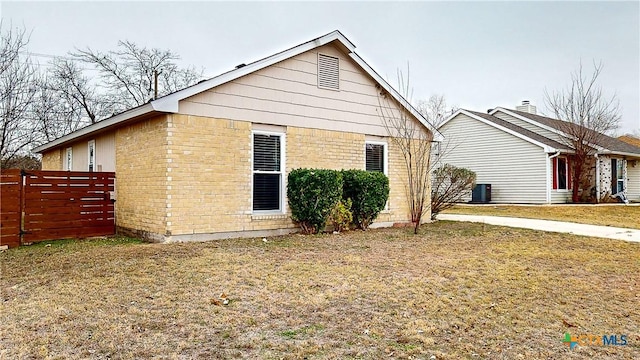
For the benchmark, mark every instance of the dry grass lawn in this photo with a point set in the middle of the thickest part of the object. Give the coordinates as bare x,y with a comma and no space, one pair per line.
458,291
607,215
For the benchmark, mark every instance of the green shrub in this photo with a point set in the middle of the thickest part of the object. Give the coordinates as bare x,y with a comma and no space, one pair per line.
312,194
368,191
341,216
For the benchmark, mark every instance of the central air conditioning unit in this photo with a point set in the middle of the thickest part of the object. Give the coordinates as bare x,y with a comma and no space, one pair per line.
481,194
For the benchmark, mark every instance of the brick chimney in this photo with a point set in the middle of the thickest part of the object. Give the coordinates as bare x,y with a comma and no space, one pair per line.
526,107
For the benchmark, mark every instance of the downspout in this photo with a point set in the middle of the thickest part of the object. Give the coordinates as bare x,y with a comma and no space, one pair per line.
549,174
597,177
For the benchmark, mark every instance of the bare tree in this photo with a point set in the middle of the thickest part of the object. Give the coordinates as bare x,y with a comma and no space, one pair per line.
18,77
588,114
414,142
435,109
133,75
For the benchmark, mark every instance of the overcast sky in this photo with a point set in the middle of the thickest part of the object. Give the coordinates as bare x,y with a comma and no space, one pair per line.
479,55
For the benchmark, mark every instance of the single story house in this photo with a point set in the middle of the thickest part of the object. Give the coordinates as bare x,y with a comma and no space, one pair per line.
630,139
525,158
211,161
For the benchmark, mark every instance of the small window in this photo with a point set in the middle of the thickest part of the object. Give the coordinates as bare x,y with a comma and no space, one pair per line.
328,72
617,176
92,154
267,172
376,157
562,173
68,159
561,169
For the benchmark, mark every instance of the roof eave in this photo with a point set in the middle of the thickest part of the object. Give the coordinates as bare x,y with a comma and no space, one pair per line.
94,128
437,136
611,152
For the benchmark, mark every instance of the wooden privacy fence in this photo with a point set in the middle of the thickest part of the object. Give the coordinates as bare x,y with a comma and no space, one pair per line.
47,205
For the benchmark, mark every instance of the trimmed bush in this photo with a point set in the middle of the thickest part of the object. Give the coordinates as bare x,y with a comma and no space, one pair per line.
312,194
341,216
449,185
368,191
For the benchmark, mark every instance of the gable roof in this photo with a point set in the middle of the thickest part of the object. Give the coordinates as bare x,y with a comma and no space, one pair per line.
630,139
608,143
555,145
169,103
547,144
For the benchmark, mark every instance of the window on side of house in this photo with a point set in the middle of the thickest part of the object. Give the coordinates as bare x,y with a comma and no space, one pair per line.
68,159
91,146
376,157
561,178
328,72
268,167
617,176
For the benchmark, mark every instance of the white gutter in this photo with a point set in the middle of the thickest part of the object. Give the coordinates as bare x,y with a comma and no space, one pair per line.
549,172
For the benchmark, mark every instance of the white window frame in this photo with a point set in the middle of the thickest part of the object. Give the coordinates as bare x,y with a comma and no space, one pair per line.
68,159
566,174
91,158
385,155
620,178
283,181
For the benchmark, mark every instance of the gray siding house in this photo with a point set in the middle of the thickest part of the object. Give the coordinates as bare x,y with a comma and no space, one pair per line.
526,160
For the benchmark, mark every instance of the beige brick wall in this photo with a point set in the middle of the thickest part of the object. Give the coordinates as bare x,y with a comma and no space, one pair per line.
324,149
184,175
142,177
209,162
210,168
52,160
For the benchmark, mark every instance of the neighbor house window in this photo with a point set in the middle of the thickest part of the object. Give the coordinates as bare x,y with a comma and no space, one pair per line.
328,72
268,166
617,176
376,157
92,154
561,178
68,159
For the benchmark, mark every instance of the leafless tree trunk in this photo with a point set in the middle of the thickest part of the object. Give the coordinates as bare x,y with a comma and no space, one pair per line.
587,115
18,78
414,142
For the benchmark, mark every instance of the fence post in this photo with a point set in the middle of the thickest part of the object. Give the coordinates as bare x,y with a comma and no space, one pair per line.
23,200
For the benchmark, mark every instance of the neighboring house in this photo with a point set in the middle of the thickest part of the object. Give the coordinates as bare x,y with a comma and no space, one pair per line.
211,161
526,160
630,139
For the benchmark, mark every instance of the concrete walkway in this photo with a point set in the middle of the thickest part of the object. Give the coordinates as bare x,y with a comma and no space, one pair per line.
548,225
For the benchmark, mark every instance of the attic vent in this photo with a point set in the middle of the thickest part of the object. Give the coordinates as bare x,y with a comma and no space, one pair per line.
328,72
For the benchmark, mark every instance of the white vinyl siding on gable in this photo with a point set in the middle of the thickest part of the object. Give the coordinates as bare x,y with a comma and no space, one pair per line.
526,125
516,169
287,94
